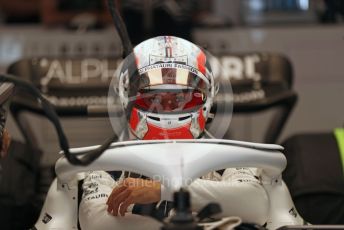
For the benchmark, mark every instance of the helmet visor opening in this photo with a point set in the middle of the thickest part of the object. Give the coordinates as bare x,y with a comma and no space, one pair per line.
169,101
170,90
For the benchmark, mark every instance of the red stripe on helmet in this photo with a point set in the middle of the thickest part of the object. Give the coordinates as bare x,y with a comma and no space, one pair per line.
134,119
137,61
159,133
201,59
201,120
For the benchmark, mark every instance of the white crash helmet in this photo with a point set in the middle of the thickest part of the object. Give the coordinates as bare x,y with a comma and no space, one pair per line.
167,89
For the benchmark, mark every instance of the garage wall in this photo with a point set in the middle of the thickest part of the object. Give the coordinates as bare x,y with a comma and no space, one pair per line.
19,42
317,54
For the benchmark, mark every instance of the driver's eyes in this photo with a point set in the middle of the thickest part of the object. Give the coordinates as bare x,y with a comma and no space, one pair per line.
180,99
155,100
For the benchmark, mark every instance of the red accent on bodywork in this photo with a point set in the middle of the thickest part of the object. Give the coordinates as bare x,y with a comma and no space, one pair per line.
158,133
201,59
134,118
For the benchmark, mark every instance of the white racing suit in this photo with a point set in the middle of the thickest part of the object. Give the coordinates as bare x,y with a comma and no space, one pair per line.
238,190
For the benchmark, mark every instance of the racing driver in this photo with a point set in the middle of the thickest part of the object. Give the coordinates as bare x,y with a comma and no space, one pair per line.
166,88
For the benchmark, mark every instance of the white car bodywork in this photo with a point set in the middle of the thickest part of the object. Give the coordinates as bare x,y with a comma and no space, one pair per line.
176,163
